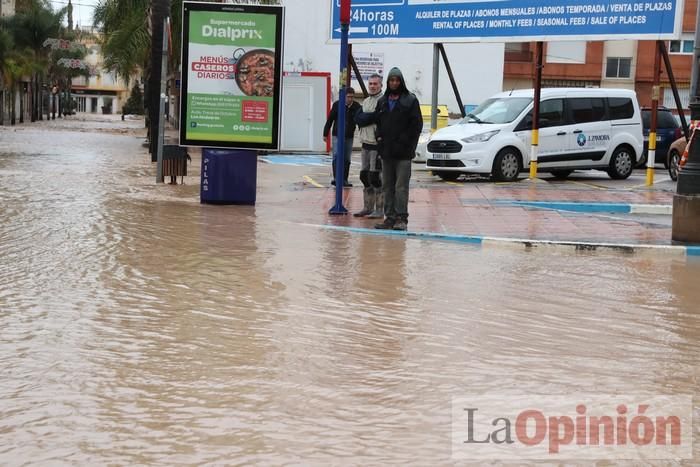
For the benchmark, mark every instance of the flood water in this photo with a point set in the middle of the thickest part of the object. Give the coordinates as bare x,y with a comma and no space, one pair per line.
138,327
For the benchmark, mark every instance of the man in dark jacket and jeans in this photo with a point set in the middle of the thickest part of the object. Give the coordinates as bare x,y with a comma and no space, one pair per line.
399,124
351,107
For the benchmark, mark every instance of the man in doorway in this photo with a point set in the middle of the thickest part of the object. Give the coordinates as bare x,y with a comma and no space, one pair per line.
399,124
351,107
370,172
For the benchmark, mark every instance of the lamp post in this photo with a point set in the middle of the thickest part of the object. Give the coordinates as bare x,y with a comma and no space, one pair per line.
338,208
686,202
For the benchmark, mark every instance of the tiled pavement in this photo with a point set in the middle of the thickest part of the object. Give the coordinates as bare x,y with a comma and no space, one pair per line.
481,208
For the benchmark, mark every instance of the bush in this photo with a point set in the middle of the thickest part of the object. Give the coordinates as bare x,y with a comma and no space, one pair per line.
134,105
69,106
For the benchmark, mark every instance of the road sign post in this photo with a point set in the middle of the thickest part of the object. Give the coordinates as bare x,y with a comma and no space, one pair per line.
338,208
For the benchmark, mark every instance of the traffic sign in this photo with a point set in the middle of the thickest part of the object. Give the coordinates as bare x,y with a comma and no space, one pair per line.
509,20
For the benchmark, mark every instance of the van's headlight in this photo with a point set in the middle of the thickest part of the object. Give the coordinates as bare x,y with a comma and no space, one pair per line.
481,137
423,138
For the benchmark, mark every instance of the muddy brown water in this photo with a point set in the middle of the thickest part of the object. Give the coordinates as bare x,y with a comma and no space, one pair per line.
138,327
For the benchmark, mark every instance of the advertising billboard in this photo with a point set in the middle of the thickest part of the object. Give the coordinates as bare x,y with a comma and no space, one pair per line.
231,79
509,20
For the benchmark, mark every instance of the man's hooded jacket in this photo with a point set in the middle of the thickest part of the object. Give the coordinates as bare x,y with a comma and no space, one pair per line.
399,121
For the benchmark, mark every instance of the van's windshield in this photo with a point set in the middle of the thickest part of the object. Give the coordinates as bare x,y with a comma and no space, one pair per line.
497,110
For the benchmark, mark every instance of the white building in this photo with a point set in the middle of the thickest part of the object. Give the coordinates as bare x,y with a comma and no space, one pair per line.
7,8
101,92
477,67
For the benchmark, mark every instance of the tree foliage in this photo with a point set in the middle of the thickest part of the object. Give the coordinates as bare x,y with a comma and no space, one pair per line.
134,105
125,38
23,56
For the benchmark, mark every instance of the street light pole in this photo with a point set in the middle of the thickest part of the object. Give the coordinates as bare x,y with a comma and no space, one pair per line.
686,202
338,208
160,9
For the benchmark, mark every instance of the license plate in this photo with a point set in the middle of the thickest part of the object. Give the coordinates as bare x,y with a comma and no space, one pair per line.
441,156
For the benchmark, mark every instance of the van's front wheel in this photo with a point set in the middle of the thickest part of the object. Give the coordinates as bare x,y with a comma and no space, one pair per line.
621,163
507,165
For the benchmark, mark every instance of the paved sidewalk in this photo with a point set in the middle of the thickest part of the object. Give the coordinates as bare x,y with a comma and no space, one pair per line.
299,187
483,208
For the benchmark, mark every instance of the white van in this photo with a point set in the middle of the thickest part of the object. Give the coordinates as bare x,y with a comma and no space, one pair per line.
579,129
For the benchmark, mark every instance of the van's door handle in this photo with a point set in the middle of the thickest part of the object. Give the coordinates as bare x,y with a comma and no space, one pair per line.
577,132
561,133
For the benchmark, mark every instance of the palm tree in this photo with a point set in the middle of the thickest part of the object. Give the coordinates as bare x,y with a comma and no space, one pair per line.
125,37
30,27
5,48
15,66
129,46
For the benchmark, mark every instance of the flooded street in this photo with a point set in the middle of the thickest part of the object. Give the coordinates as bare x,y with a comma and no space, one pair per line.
138,327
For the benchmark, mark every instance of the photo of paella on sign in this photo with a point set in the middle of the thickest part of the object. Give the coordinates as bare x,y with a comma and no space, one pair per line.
255,73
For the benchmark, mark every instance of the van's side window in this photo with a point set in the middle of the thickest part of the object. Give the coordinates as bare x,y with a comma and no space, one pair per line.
587,109
552,113
620,108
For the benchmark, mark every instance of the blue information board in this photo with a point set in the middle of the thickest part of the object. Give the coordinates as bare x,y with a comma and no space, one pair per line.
508,20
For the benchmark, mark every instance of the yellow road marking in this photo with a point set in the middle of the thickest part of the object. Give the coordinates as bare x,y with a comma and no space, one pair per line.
313,182
661,179
591,185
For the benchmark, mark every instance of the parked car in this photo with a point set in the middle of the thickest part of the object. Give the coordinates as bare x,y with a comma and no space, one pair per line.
580,129
668,130
422,147
673,157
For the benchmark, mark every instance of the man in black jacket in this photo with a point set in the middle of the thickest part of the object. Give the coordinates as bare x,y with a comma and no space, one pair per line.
399,124
351,107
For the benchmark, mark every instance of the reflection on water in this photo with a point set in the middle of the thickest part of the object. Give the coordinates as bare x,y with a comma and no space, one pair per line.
139,327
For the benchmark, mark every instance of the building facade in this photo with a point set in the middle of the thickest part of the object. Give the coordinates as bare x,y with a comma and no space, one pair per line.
7,8
613,64
102,92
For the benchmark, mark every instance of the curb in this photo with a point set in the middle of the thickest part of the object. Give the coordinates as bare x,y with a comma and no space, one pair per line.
527,244
610,208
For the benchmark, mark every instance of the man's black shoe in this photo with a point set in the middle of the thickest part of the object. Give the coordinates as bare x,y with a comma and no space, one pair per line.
347,184
400,225
388,224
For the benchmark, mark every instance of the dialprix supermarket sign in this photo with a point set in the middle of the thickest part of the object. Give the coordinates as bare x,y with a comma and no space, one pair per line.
231,86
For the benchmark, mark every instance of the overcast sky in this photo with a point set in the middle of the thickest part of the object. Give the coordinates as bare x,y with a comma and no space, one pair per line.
82,10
